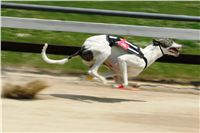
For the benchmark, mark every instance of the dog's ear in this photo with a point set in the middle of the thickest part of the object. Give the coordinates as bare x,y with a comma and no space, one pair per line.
156,42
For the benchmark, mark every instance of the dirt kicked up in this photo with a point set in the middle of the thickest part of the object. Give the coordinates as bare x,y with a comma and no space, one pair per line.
73,105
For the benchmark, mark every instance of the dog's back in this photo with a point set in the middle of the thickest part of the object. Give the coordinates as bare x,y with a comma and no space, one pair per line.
96,42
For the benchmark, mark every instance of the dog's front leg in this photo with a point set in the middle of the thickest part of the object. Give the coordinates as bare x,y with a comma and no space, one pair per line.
123,69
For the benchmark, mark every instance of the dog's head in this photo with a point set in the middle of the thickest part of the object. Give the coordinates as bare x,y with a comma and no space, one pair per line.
168,46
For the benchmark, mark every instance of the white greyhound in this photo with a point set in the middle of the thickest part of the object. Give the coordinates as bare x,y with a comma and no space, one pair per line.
122,57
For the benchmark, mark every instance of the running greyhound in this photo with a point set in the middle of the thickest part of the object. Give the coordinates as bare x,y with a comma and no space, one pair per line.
123,58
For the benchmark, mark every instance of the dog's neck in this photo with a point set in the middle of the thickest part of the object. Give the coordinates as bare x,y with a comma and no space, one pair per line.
152,53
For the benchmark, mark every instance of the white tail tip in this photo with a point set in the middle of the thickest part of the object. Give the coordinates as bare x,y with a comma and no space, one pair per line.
51,61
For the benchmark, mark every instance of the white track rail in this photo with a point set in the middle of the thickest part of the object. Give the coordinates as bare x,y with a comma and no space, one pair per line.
100,28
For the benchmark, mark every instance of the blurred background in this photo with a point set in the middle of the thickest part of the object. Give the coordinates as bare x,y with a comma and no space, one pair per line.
158,71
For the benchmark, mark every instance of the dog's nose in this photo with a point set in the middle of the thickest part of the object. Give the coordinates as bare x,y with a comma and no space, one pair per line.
180,46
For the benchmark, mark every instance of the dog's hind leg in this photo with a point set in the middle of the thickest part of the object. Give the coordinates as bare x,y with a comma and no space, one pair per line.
99,60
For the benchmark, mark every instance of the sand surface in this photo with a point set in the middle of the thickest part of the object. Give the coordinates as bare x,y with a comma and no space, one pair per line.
71,104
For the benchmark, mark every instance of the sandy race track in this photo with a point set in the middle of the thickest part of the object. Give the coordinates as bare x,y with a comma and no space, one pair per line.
74,105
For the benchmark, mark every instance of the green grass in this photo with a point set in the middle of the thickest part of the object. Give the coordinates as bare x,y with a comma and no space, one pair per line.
167,71
157,70
180,8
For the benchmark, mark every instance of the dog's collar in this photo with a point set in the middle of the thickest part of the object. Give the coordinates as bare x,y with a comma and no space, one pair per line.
161,50
146,62
158,44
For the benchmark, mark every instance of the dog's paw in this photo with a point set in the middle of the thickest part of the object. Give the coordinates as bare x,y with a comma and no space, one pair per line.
89,78
123,87
119,86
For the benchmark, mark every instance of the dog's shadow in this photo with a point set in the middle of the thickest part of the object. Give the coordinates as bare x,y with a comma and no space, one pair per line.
90,99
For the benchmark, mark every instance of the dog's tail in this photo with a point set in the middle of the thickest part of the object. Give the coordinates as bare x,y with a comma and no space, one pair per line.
52,61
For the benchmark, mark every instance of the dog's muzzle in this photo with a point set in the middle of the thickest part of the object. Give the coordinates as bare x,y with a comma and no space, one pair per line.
175,51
